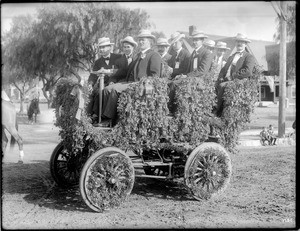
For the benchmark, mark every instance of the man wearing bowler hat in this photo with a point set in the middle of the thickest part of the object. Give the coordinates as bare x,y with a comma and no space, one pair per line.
201,59
106,61
240,65
118,81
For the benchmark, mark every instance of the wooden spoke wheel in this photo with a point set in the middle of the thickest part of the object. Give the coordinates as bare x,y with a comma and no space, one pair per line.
106,179
64,167
207,171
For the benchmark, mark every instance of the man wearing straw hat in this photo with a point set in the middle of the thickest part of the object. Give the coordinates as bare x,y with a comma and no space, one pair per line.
209,45
201,59
180,57
147,62
162,48
239,66
118,81
219,60
221,48
107,60
179,62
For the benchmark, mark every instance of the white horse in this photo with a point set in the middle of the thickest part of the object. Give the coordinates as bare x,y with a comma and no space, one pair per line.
9,124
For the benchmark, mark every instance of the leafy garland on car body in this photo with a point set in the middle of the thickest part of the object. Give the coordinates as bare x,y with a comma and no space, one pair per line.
144,122
239,99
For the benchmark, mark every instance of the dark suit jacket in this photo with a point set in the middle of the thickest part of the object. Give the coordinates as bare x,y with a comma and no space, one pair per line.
183,59
243,69
205,59
99,63
122,66
150,65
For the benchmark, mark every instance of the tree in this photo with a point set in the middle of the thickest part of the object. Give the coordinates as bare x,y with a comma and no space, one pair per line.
16,47
66,36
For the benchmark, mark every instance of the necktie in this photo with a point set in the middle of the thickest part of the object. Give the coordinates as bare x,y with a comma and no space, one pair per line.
129,59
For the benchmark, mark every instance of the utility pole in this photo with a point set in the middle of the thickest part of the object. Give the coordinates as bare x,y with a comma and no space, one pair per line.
282,79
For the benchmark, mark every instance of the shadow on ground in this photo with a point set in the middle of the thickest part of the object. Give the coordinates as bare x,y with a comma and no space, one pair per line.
34,181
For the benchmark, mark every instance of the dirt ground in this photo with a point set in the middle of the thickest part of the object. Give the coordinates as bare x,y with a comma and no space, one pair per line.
261,193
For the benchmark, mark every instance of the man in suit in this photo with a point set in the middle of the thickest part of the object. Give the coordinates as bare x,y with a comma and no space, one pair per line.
107,60
219,60
162,48
209,45
117,81
239,66
180,57
146,63
179,62
201,59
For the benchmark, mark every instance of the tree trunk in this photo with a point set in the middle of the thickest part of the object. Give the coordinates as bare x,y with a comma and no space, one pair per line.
46,96
22,111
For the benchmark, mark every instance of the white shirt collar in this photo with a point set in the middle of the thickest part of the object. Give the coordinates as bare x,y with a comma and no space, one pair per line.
179,50
163,55
198,48
144,51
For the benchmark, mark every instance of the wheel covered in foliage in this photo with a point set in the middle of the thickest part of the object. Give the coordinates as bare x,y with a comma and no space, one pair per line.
207,171
106,179
64,167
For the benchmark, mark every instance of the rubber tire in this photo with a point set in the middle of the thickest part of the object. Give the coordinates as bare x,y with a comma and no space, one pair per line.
54,172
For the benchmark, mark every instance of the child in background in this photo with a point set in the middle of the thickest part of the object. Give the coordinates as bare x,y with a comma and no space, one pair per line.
272,136
264,136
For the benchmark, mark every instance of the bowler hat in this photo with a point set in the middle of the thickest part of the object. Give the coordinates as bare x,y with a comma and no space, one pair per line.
162,42
222,45
175,37
129,40
241,37
104,42
146,34
198,34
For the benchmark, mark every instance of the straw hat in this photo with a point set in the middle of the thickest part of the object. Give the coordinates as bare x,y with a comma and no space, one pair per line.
241,37
209,43
146,34
129,40
104,42
162,42
198,34
175,37
222,45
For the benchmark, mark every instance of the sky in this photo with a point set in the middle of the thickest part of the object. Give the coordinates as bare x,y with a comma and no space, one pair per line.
254,19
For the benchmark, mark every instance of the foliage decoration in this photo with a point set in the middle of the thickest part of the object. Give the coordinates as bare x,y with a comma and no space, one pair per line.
143,118
239,99
195,98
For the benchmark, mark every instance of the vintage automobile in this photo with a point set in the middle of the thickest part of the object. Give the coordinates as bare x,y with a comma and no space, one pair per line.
149,142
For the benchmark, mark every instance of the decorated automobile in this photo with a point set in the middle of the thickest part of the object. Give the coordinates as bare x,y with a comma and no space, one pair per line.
191,144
